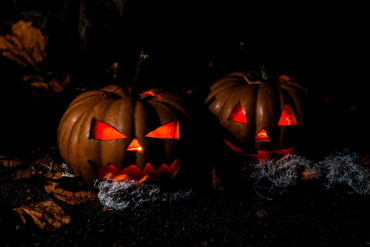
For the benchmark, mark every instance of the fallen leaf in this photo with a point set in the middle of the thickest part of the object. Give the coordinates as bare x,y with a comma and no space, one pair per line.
113,70
10,163
25,45
216,183
52,170
72,198
365,161
40,84
66,79
262,213
32,78
51,85
24,174
46,215
307,174
56,86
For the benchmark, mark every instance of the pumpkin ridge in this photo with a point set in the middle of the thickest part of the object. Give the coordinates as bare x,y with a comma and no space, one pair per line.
116,90
93,99
225,97
298,110
106,109
85,95
160,108
69,137
73,138
173,103
225,86
87,115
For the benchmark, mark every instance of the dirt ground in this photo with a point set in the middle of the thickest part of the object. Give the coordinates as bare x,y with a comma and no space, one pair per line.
307,215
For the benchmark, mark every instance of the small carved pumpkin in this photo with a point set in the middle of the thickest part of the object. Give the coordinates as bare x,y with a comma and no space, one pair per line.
113,133
260,118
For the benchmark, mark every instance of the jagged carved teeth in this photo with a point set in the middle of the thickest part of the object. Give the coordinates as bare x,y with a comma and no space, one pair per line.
132,172
261,154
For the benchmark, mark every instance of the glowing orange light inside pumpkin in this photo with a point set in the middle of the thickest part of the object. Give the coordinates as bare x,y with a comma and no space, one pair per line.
238,115
262,136
261,154
233,148
105,132
132,172
287,117
135,146
264,155
150,93
170,130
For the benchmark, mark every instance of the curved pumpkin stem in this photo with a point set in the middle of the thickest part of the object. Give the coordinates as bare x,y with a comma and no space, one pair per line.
264,75
135,84
284,79
245,77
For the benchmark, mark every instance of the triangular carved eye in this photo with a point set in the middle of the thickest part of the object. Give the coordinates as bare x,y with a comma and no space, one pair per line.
238,115
170,130
104,132
287,117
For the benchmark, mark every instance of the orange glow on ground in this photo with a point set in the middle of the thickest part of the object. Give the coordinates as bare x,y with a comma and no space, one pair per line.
132,172
104,132
261,154
238,115
262,136
135,146
287,117
150,93
170,130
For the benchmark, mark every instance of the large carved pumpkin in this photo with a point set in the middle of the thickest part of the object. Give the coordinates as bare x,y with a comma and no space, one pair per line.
260,117
113,133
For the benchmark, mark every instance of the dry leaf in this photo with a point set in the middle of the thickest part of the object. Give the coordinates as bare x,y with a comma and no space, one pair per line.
113,70
26,45
72,198
40,84
52,85
66,79
24,174
216,183
10,163
52,170
307,174
56,86
262,213
46,215
365,161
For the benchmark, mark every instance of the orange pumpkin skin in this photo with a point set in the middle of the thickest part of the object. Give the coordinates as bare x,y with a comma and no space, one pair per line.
112,133
260,118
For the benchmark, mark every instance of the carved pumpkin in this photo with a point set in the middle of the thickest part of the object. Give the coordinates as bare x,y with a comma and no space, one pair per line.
261,118
111,133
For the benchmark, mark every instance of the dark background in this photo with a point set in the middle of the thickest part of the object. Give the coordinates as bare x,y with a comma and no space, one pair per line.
191,44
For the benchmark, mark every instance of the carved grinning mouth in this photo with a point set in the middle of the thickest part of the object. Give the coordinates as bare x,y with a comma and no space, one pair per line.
132,172
261,154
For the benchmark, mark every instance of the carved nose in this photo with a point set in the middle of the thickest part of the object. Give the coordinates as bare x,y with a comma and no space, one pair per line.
262,136
135,146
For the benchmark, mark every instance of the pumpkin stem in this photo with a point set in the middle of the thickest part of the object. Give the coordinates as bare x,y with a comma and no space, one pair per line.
139,68
264,75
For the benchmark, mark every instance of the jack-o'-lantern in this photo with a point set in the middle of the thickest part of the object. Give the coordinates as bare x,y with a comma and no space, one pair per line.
115,133
261,118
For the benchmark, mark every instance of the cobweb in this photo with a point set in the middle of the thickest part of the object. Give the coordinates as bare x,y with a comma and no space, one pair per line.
128,194
276,176
345,168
